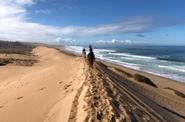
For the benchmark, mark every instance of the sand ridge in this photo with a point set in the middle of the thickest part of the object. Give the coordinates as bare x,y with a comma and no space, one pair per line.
114,98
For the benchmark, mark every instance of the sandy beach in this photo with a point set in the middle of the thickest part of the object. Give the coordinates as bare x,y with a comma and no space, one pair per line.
59,87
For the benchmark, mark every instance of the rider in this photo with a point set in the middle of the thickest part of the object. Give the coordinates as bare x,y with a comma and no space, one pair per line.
91,57
84,53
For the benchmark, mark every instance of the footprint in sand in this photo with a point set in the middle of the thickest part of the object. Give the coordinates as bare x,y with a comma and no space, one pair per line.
60,82
41,88
70,90
18,98
66,86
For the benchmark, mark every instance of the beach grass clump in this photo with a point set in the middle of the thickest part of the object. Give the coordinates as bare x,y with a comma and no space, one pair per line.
20,62
180,94
7,47
144,79
5,62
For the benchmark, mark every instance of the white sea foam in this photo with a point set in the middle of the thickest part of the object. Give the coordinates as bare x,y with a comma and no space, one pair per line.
127,58
143,63
170,76
130,65
100,53
174,68
133,56
103,50
76,49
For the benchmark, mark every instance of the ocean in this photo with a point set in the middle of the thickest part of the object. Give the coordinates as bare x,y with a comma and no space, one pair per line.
166,61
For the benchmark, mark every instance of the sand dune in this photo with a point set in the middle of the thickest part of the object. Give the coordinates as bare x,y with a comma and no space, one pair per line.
43,92
61,88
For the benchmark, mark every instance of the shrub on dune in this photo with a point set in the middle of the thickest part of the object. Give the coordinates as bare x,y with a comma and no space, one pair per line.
144,79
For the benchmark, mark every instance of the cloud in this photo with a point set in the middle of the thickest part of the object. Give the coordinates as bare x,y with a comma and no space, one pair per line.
60,40
140,35
43,11
12,10
133,25
20,2
128,41
14,25
114,41
23,2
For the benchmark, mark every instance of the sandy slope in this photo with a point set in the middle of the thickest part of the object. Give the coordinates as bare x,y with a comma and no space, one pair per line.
114,98
43,92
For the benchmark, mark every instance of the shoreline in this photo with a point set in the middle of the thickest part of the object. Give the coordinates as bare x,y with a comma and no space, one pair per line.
152,76
137,70
168,76
163,83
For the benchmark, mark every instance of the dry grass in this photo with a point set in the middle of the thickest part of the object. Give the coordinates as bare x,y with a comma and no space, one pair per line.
8,48
144,79
16,48
176,92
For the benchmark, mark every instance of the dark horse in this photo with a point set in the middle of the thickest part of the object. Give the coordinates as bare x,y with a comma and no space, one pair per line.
91,59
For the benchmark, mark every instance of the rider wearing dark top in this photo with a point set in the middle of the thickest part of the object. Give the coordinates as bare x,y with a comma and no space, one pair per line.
91,56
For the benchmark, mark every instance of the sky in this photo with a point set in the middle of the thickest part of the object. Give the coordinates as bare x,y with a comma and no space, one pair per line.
160,22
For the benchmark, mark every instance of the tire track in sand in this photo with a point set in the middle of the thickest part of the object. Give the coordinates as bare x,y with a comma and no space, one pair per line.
110,98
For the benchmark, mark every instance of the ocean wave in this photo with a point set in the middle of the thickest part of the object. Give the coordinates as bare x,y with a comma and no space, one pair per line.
77,49
154,65
174,68
127,58
170,76
172,59
126,64
103,50
133,56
